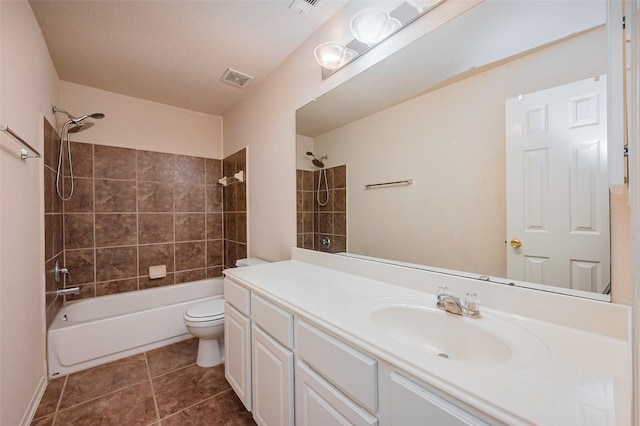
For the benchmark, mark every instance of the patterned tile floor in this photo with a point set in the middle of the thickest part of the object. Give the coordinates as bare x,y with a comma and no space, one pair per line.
162,387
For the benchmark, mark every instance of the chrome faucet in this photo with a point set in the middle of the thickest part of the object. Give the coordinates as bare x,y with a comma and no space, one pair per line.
68,291
57,271
452,304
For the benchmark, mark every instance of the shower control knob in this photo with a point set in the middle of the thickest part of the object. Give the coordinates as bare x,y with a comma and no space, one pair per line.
326,243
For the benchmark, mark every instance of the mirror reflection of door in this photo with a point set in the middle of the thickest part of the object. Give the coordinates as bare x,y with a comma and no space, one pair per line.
557,190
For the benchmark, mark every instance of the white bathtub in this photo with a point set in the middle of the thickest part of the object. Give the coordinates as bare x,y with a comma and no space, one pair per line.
94,331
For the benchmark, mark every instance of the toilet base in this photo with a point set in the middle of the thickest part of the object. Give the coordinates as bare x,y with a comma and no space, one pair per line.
209,353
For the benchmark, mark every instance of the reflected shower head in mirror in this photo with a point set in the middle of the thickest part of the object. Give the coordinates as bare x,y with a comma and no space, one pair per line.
317,162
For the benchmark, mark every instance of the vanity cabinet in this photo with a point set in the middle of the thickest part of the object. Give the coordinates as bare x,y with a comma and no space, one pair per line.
319,403
268,350
259,357
412,404
237,353
272,380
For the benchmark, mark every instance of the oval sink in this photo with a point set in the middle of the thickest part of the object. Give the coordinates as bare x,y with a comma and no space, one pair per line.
415,324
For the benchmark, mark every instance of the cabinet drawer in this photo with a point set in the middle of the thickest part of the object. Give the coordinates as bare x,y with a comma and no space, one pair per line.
273,319
353,372
319,403
411,404
238,296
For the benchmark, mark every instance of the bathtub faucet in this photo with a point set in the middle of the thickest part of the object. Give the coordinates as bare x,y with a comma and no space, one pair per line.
68,291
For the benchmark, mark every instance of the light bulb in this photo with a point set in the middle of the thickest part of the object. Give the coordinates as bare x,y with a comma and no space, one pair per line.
370,26
333,55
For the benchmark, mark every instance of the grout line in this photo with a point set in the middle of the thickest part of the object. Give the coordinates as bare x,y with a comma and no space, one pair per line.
197,403
153,390
101,396
55,412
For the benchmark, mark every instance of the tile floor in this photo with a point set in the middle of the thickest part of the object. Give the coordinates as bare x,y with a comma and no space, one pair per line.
162,387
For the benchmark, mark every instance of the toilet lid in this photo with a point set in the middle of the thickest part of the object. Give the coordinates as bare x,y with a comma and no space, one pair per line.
211,309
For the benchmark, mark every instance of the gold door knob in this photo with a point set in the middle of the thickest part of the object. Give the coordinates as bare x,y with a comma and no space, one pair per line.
516,243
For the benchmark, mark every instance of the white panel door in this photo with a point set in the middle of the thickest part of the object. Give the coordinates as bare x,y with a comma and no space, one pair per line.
237,353
557,187
272,380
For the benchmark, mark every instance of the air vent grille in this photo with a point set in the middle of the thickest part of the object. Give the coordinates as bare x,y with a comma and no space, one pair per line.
303,7
236,78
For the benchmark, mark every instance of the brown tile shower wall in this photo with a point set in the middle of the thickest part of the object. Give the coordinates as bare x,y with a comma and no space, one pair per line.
132,209
53,223
235,209
316,222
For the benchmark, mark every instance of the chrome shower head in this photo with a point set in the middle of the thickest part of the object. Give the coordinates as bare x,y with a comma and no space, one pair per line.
316,162
79,127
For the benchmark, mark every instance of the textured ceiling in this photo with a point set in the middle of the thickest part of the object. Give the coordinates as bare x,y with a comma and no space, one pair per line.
173,52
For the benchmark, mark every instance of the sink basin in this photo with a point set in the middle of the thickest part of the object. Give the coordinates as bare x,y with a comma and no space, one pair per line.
418,325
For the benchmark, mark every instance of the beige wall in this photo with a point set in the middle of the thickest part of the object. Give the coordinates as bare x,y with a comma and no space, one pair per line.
140,124
452,143
265,123
28,87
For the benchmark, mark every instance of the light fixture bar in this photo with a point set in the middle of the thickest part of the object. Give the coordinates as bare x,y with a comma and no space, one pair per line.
405,13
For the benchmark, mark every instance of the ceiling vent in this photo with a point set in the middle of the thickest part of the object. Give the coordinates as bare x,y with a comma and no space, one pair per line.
303,7
236,78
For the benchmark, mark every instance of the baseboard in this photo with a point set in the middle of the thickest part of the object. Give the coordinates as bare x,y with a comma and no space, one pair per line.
27,418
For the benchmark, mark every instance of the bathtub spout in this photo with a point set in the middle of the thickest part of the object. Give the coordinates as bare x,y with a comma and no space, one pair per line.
68,291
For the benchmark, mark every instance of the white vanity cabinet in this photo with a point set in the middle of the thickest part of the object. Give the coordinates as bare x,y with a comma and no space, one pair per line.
237,340
335,383
413,404
267,351
259,360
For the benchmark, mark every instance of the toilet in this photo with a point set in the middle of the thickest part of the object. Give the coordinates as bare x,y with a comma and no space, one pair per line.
206,322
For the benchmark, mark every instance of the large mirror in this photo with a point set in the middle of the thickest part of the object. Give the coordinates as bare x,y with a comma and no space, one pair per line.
488,136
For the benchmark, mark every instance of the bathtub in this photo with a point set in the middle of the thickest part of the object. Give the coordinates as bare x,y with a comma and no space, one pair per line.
94,331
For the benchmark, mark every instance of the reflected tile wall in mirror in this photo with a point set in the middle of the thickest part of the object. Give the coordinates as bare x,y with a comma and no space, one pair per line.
316,222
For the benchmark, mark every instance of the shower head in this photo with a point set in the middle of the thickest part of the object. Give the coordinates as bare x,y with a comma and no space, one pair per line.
79,127
316,162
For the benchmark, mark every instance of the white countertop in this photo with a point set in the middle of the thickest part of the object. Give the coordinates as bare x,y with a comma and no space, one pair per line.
566,376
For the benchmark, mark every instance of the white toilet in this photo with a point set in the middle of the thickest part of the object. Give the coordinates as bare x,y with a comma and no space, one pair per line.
206,322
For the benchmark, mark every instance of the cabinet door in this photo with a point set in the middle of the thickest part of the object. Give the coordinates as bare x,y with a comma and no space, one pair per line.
237,353
412,404
318,403
272,380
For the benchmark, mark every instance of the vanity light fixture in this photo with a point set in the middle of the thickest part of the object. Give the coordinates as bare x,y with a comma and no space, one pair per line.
369,27
333,55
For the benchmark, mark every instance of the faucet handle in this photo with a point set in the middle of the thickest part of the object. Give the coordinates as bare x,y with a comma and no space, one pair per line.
443,290
472,301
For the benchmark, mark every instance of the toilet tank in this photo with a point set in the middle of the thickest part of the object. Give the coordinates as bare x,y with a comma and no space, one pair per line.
250,261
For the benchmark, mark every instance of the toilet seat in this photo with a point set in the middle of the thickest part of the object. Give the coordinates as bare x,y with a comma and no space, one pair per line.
210,310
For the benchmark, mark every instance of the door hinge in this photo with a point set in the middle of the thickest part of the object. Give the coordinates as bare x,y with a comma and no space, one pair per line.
624,22
626,150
